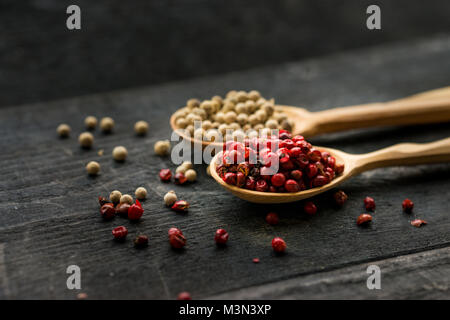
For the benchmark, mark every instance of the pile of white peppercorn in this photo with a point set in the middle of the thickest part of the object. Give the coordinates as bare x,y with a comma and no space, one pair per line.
245,113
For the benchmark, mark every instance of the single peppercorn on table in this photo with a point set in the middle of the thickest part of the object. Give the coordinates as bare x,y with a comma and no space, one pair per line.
49,210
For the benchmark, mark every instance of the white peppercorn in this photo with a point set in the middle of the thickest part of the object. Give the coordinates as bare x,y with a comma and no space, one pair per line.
220,117
86,139
230,117
212,135
234,126
120,153
250,106
241,96
191,175
141,127
170,198
90,122
200,112
242,118
162,148
106,124
231,93
126,198
253,119
181,123
141,193
207,106
63,130
199,133
254,95
93,168
187,164
238,135
206,125
193,103
115,196
241,108
272,124
181,169
190,130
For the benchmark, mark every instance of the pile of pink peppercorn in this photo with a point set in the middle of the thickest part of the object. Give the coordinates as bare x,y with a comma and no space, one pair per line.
276,164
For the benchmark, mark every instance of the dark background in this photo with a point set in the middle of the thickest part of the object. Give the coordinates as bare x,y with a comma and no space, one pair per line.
125,44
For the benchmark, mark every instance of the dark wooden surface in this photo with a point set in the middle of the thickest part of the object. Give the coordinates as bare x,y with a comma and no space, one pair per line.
49,215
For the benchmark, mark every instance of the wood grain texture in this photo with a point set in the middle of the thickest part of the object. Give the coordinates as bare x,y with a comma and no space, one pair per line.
49,215
422,275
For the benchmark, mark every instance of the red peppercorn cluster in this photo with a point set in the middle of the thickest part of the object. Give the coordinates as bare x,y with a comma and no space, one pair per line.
166,175
276,164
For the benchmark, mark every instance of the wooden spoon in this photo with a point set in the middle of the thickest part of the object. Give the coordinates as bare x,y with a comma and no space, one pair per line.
396,155
426,107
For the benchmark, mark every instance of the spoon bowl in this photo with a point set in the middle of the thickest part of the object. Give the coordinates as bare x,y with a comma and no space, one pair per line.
274,197
426,107
400,154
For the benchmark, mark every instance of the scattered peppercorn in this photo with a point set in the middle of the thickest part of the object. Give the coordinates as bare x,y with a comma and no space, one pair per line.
184,296
120,153
418,223
93,168
221,236
141,241
126,198
180,178
141,193
106,124
191,175
340,198
115,196
165,175
120,233
369,204
122,209
135,211
310,208
278,245
86,139
407,205
90,122
107,211
272,218
176,238
180,206
102,201
162,148
255,260
63,130
170,198
141,127
363,219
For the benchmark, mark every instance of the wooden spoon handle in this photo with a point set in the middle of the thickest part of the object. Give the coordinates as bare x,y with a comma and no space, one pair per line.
429,108
404,154
440,93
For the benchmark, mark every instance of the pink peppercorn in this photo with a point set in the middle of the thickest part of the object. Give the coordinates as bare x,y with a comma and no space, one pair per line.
120,233
340,198
418,223
141,241
255,260
369,204
176,238
278,179
261,185
272,218
230,178
291,186
165,175
278,244
240,179
180,178
363,219
107,211
310,208
221,236
180,206
407,205
135,211
250,183
319,181
184,296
